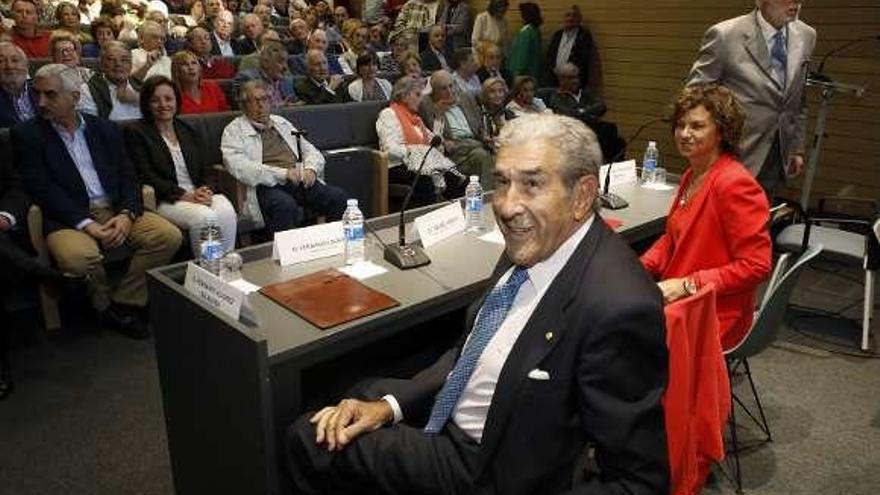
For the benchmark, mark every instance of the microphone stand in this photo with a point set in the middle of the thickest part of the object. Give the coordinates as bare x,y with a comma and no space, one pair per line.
300,162
609,199
402,255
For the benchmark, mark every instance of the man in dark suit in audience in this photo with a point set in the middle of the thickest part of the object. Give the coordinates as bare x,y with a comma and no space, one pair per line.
112,93
574,43
568,348
435,56
76,169
17,102
222,42
251,29
319,87
317,41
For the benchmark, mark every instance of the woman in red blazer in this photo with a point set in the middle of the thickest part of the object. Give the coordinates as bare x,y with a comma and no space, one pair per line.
197,95
716,229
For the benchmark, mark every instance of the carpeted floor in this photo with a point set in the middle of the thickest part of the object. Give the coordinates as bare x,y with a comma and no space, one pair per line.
87,415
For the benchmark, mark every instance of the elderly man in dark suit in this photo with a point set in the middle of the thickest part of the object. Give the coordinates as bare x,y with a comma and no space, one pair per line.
16,95
319,87
566,349
76,168
574,43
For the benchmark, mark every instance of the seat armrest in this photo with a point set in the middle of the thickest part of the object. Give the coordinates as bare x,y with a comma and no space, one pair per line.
380,184
229,186
35,232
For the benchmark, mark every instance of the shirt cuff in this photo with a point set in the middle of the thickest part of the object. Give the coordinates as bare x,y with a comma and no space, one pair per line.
8,216
84,223
398,413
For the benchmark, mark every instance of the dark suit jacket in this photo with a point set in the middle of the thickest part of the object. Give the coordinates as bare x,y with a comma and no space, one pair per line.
483,74
431,62
607,362
153,161
13,199
581,54
100,91
8,117
52,179
237,48
313,94
245,46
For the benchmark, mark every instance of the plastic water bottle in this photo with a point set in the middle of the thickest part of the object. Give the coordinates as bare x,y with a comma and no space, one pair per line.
211,249
649,164
353,227
473,214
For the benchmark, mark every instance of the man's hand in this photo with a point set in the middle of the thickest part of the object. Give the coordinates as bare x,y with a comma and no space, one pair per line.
334,81
337,426
4,224
98,232
309,177
672,289
126,95
189,197
203,195
293,175
119,227
795,165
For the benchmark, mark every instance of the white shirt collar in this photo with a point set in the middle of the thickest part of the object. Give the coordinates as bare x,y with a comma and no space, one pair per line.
767,29
543,273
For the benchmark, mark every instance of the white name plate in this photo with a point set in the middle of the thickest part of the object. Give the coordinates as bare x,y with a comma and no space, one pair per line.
621,173
213,291
439,224
308,243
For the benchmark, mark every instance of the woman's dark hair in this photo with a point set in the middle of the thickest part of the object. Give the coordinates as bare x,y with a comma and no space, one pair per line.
531,13
364,60
497,7
460,56
102,22
149,89
721,104
519,83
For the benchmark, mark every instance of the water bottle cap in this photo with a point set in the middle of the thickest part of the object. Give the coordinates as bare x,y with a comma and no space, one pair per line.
352,202
475,178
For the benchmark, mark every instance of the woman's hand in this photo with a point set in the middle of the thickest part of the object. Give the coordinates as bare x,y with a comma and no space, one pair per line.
672,289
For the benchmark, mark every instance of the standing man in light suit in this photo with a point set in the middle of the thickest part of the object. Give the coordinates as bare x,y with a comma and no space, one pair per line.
567,348
763,58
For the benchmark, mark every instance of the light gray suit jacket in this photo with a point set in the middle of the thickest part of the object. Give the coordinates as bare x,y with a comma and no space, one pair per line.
734,53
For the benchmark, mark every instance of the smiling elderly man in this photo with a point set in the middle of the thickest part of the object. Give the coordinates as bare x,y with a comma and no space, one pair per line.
112,93
567,348
17,100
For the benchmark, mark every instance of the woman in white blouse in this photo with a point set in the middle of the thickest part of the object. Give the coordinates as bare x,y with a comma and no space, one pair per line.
524,99
491,26
368,87
464,63
169,157
406,139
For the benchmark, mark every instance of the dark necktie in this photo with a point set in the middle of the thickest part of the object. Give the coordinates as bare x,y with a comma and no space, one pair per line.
780,55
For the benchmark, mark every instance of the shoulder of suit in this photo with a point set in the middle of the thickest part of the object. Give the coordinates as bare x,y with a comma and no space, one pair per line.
734,23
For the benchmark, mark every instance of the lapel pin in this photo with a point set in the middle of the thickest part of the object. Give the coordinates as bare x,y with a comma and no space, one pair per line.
548,336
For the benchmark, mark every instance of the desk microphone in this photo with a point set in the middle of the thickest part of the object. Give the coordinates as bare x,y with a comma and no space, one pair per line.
403,255
609,199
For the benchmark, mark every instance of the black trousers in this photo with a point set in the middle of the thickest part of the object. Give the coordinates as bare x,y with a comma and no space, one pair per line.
282,205
395,460
772,174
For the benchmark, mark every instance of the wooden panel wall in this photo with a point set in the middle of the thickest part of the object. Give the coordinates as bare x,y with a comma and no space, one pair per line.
647,48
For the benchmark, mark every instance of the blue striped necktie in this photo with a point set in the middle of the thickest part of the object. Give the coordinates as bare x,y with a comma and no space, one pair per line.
780,55
492,314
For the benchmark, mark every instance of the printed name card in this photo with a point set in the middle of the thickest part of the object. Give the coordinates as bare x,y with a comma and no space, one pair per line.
439,224
308,243
621,173
213,291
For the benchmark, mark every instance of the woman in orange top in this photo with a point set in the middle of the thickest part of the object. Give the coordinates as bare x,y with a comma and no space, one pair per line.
197,95
716,229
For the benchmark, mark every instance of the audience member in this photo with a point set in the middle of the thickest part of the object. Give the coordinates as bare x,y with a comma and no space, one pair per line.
89,10
368,87
252,60
415,17
26,33
319,87
412,65
525,50
76,168
264,13
112,93
716,228
298,39
196,16
373,11
434,57
261,151
317,41
251,28
574,43
212,10
213,66
490,26
495,115
273,72
456,117
379,39
489,428
401,46
465,76
492,66
65,49
524,100
456,19
102,32
356,39
572,99
169,155
67,18
406,139
196,94
17,99
150,58
222,42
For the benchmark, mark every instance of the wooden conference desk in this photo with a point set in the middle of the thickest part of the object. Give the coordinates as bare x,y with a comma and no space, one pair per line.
229,388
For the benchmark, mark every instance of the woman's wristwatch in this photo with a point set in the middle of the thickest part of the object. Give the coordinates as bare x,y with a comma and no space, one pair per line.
689,286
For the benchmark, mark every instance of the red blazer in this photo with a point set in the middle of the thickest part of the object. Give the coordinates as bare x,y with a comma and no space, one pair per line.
721,239
213,100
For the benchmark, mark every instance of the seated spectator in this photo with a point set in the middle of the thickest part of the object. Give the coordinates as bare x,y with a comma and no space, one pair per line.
102,32
571,99
169,155
401,46
260,151
368,87
66,50
492,66
415,17
465,76
67,19
456,117
356,36
434,57
17,99
252,60
298,38
411,65
112,93
524,100
26,34
495,115
89,11
213,66
317,41
197,95
406,139
149,58
319,87
76,169
251,29
378,39
212,10
222,42
273,71
264,12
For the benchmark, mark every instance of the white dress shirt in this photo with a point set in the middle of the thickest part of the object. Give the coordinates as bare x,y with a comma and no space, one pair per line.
769,32
566,43
473,407
224,45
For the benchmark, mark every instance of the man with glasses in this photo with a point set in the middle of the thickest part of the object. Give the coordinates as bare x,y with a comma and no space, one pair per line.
17,100
112,93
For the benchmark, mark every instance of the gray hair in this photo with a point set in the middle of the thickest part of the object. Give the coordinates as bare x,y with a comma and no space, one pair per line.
70,78
246,87
114,44
8,45
149,25
404,86
578,146
313,55
567,68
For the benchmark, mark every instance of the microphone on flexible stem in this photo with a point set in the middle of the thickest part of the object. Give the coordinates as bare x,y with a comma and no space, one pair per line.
609,199
402,255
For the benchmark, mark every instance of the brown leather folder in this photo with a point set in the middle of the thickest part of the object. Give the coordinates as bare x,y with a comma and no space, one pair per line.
328,298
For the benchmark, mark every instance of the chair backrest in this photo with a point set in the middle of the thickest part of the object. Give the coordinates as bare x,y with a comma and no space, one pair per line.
769,318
